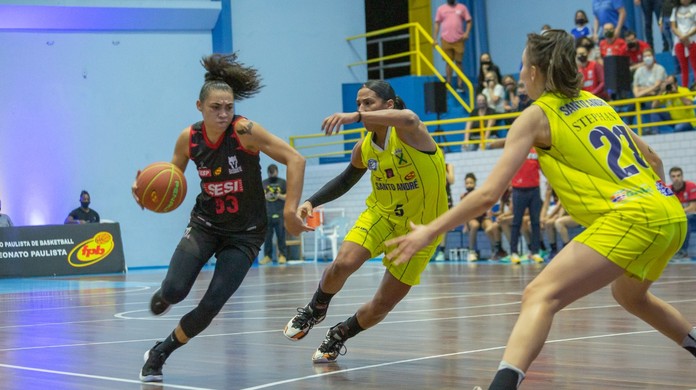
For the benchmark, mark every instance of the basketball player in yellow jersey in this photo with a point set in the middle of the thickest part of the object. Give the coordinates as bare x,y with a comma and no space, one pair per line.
607,178
407,170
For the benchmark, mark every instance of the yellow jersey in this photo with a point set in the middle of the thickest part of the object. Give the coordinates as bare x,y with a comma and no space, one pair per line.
407,184
595,167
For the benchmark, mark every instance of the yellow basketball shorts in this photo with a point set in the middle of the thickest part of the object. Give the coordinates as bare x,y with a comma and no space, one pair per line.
371,230
641,250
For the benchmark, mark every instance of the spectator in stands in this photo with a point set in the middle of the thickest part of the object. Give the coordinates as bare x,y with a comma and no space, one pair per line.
474,127
683,23
635,48
608,12
448,26
523,100
612,44
687,116
494,92
486,65
650,8
647,81
5,220
449,175
483,221
686,193
665,25
275,189
511,99
502,216
593,53
550,211
592,74
83,214
648,77
581,28
563,224
526,196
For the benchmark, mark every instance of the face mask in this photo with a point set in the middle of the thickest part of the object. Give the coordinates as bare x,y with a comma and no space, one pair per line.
609,34
469,189
648,60
523,96
632,45
582,59
580,22
485,62
481,106
451,2
84,204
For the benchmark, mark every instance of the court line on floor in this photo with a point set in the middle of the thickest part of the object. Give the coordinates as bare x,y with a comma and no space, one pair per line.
444,355
99,377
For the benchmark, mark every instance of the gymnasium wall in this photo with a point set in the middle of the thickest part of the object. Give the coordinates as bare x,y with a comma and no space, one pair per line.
88,100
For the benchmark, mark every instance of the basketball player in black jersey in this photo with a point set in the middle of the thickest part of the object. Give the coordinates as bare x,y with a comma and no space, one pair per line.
229,218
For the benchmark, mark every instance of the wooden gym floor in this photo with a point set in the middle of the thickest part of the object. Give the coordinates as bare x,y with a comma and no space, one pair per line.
449,332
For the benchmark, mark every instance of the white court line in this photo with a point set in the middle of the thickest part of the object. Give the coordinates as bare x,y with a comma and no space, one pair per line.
104,378
444,355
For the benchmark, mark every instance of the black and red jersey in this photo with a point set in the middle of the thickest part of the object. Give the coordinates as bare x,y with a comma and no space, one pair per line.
232,197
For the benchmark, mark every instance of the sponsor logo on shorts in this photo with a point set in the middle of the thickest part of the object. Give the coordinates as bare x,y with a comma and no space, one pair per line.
664,190
623,194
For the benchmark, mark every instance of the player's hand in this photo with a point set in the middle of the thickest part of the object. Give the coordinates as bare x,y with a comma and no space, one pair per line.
295,223
332,123
406,246
134,190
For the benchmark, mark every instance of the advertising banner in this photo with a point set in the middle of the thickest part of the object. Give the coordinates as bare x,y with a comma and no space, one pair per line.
55,250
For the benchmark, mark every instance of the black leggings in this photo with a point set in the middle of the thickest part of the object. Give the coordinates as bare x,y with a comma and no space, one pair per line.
194,250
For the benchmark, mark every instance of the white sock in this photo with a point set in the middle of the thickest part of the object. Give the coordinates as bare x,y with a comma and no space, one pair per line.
690,339
520,373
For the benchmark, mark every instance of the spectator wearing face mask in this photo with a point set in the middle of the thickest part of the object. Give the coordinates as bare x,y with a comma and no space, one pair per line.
473,131
687,116
592,49
648,77
523,99
592,74
486,65
635,48
581,28
83,214
608,11
612,44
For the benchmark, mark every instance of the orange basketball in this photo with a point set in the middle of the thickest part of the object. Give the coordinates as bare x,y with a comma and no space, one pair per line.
161,187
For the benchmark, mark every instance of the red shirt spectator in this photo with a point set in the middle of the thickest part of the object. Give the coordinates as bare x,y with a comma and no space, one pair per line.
687,193
528,175
636,54
593,79
615,48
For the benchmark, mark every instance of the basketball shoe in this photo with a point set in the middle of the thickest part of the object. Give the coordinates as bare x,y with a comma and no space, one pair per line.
282,259
154,360
306,317
158,306
332,346
265,260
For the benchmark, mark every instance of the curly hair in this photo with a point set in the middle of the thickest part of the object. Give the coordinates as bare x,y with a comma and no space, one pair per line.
553,52
225,73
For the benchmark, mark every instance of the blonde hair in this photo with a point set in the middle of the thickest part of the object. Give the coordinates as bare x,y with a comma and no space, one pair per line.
553,52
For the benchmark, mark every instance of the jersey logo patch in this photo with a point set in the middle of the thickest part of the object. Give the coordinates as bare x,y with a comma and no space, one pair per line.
234,165
372,164
389,172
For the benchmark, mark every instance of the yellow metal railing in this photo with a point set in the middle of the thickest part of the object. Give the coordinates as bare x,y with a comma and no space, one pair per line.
298,142
417,33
